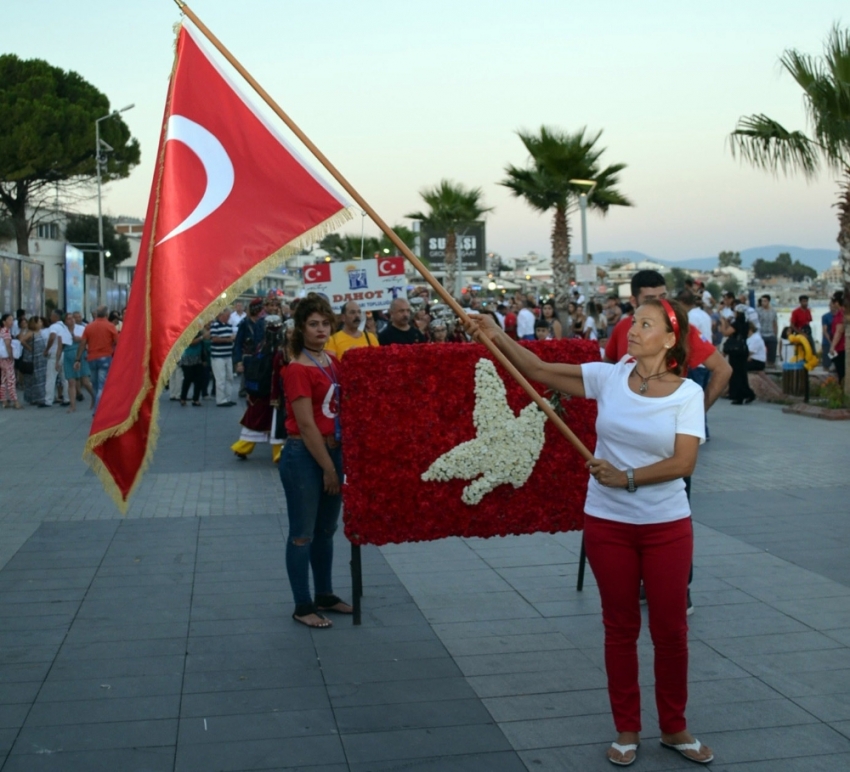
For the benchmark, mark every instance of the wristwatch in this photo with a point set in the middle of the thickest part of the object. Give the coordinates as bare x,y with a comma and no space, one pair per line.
630,476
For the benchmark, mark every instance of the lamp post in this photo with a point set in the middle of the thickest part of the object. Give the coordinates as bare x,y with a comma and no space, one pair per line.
98,145
582,202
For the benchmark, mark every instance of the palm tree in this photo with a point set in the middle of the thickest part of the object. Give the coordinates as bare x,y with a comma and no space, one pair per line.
451,207
766,144
557,160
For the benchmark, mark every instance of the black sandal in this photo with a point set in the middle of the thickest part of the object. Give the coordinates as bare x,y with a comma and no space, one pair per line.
329,602
304,610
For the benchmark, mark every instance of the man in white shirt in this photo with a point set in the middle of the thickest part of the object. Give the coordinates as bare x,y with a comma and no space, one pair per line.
51,343
237,316
757,348
525,321
696,316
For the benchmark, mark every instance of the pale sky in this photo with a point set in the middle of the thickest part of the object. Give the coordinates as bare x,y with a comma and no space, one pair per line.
401,94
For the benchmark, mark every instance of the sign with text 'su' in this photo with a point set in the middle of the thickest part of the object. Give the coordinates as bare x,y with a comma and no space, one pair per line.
372,283
469,243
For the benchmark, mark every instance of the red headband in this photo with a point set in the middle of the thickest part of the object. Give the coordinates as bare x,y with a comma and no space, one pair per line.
671,314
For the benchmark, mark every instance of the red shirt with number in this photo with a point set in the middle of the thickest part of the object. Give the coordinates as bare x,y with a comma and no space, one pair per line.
618,344
317,385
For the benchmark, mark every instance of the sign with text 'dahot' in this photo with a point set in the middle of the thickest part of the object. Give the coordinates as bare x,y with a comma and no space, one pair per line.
372,283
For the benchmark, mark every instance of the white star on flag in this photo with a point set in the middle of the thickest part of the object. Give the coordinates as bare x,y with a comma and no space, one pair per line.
506,447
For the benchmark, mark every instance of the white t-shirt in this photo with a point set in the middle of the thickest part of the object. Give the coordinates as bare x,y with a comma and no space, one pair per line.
589,329
65,334
235,318
55,329
707,299
702,321
636,431
757,347
525,322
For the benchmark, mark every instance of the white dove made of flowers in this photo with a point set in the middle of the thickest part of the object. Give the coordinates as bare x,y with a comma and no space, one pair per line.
506,447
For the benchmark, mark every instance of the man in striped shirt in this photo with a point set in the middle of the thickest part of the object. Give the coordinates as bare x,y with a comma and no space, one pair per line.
221,358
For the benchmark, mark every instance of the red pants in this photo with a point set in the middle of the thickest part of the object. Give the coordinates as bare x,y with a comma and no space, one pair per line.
621,554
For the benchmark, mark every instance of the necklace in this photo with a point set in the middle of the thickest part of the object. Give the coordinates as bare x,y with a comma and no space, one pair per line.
645,381
319,352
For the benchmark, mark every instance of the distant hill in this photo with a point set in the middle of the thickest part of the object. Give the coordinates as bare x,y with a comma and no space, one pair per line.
819,259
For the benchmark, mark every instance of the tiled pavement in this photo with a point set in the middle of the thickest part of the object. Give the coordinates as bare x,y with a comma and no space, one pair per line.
163,641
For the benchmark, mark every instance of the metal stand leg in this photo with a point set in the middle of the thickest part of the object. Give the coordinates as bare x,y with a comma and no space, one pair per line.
356,582
806,386
582,560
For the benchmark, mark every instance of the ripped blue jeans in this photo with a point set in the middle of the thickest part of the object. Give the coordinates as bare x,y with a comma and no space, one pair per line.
313,516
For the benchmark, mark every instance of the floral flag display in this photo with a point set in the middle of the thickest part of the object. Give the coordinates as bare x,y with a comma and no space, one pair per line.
230,200
440,441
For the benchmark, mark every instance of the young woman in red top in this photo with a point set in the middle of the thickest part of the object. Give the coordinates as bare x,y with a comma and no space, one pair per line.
311,463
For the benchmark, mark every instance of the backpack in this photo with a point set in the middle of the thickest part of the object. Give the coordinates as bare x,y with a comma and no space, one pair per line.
258,373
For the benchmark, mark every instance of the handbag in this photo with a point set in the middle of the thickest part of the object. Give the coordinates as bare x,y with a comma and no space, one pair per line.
24,367
734,344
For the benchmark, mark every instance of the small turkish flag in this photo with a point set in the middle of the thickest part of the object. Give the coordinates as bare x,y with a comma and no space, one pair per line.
316,273
230,201
390,266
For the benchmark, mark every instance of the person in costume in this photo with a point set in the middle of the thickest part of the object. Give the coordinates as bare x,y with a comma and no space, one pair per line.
258,420
311,463
651,421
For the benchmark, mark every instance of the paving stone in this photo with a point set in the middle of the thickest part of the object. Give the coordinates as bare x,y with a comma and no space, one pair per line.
393,692
147,647
41,740
13,716
416,715
238,702
423,743
101,760
284,677
99,711
59,690
294,722
479,762
107,668
264,754
777,743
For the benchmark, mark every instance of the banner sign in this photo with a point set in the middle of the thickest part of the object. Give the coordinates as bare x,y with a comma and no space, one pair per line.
469,245
10,284
32,287
372,283
74,281
476,456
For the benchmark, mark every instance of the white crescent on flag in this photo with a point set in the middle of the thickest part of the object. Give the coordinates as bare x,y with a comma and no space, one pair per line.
308,273
386,266
216,163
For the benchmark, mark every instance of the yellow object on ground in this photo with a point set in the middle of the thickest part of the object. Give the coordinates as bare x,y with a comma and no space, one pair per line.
808,357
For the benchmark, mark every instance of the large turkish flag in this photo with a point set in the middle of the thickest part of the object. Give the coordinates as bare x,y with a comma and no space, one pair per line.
230,200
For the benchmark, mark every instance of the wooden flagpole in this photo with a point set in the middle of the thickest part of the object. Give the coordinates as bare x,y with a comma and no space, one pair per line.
390,233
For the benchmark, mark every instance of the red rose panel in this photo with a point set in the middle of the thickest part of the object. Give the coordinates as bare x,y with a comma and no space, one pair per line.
405,406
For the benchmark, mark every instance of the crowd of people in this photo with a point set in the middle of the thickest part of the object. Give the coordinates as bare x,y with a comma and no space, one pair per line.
53,361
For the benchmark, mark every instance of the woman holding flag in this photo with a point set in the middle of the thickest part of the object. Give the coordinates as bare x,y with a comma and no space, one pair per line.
650,424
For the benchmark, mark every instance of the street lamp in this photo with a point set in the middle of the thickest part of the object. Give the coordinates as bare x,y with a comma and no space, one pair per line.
582,202
99,146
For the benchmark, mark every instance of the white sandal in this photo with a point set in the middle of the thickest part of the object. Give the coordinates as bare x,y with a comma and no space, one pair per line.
623,750
683,747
